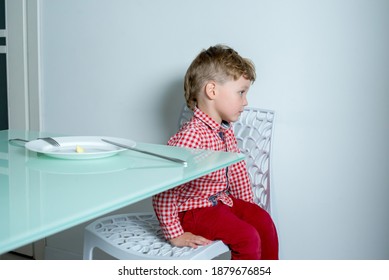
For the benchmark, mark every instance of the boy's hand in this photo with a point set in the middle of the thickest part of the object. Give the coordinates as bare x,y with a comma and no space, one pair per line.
189,239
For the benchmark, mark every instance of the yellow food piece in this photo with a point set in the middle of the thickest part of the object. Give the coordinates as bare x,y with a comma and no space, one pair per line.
79,149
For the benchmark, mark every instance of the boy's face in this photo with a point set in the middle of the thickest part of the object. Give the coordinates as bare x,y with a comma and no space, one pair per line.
231,98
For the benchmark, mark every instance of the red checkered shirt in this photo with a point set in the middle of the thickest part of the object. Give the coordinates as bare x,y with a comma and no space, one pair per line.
202,132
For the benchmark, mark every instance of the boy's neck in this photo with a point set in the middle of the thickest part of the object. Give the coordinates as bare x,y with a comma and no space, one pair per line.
210,112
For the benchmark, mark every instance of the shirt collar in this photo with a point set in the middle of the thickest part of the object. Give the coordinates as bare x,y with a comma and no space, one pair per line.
211,122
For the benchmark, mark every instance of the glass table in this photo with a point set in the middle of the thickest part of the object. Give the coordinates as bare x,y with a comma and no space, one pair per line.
41,196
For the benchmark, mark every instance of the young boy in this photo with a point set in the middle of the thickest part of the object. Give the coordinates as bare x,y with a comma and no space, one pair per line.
217,206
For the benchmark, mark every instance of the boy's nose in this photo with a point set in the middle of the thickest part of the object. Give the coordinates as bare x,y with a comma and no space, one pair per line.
245,102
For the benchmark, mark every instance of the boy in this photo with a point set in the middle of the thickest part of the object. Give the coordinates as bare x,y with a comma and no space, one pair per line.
217,206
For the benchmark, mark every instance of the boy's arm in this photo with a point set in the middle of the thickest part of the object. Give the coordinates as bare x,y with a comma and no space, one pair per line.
165,204
165,207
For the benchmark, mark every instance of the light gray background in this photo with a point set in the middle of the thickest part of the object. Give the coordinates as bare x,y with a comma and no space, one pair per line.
116,68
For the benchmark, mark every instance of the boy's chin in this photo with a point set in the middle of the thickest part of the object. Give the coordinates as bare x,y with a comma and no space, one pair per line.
234,119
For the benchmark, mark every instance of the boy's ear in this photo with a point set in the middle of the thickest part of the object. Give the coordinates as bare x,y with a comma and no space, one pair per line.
210,90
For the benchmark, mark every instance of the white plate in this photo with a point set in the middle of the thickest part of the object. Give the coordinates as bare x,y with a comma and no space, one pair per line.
93,147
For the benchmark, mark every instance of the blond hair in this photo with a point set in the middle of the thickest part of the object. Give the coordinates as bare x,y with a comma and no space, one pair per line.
218,63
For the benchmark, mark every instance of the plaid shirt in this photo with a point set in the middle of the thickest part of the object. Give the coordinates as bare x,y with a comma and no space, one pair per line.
202,132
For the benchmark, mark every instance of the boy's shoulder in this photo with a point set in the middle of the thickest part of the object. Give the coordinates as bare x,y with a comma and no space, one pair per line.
195,125
191,134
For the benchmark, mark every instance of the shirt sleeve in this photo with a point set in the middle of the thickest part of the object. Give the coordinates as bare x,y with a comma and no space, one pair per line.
165,207
165,203
189,138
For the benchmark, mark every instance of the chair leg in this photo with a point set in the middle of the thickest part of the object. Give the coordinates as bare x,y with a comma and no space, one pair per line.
88,247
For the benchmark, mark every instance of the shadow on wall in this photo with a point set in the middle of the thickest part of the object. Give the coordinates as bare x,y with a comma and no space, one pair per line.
170,109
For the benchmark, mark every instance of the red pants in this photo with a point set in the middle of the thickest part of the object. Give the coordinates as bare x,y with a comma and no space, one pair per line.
245,228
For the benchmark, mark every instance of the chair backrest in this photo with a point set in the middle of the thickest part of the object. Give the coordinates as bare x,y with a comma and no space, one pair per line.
254,133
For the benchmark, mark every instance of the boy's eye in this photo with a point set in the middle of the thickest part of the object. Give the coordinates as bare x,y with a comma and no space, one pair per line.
241,93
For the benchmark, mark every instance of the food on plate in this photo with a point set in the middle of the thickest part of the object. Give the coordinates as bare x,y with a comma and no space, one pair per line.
79,149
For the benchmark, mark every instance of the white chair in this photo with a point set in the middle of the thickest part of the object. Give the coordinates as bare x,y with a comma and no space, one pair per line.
139,236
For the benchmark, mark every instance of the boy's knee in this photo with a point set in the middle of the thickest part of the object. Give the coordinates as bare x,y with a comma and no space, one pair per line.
247,244
248,235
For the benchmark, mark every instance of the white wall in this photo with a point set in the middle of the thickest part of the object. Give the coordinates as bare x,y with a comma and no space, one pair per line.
116,68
